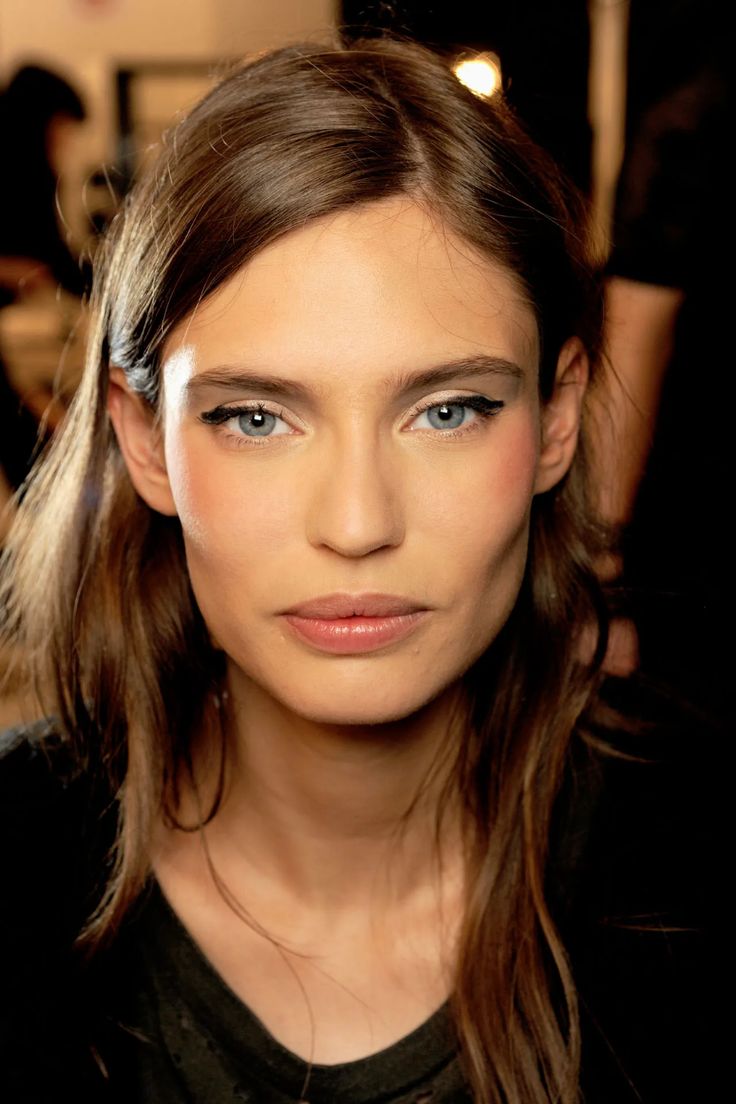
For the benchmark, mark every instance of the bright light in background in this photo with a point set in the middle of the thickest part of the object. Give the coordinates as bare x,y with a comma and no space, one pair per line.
481,74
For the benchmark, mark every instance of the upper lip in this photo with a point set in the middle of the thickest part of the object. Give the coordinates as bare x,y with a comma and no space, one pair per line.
332,606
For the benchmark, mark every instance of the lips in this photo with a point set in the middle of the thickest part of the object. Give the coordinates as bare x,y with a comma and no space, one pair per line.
338,606
353,624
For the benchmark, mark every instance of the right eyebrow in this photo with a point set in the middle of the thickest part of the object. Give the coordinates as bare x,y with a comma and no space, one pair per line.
239,378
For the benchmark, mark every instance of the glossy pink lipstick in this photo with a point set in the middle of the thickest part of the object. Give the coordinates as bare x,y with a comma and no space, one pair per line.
350,624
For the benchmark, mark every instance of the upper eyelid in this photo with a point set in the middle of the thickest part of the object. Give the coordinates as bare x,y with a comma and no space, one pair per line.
225,411
270,407
453,397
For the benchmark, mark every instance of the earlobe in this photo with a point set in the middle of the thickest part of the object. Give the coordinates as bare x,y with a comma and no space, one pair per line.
561,416
141,443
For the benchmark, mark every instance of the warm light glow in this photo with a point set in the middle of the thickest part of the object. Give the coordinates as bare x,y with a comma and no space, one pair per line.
481,74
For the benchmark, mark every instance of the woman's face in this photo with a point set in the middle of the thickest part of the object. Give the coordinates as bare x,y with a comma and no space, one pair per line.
353,421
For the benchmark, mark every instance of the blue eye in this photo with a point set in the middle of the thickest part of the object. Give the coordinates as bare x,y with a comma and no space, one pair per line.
256,423
247,421
446,415
455,413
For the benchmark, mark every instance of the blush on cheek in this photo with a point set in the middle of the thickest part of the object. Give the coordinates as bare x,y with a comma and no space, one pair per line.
502,533
224,510
507,486
516,466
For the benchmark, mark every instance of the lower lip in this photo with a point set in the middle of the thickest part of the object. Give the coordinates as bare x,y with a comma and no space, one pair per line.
354,635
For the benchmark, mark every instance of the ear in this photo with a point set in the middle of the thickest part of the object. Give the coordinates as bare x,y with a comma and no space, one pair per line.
141,443
561,415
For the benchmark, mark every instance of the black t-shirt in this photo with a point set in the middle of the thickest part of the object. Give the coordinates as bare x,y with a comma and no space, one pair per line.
148,1019
196,1040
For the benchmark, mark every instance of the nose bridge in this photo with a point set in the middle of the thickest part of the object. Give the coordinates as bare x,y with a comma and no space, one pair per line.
355,502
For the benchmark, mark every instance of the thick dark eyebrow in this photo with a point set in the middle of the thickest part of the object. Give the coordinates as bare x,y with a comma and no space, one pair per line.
240,378
479,365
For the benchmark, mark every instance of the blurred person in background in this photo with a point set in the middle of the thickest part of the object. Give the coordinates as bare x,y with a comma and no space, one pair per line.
663,445
39,115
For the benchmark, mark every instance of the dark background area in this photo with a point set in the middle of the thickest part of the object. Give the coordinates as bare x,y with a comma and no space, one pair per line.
543,48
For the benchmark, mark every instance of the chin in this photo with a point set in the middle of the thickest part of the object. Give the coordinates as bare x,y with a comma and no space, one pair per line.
357,702
331,710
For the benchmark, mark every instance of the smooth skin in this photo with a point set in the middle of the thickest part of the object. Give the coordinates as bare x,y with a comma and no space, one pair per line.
354,484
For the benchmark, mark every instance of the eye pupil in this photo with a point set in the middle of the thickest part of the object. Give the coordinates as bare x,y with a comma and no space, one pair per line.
257,423
446,415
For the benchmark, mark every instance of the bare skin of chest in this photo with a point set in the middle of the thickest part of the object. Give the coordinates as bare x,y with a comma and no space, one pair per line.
332,984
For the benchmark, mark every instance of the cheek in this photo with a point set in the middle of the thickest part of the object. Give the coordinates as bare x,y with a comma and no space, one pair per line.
481,533
507,490
482,506
232,517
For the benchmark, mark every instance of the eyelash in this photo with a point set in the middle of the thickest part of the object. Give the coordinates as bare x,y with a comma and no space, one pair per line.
485,408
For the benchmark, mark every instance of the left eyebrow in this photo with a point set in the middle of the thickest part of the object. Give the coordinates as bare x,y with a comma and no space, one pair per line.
479,365
240,378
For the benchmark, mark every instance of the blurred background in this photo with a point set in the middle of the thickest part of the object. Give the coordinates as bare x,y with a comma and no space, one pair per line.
135,64
631,96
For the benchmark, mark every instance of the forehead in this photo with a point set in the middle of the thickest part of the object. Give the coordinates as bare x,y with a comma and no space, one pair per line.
362,294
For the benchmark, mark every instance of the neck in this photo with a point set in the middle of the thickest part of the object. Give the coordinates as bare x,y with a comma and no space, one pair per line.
318,810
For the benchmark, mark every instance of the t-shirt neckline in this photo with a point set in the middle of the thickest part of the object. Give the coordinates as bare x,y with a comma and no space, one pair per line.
238,1032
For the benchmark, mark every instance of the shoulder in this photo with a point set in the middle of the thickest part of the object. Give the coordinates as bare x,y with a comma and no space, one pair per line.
653,821
33,755
39,787
52,832
53,840
640,931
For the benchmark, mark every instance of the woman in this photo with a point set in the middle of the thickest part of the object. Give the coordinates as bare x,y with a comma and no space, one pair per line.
39,111
317,616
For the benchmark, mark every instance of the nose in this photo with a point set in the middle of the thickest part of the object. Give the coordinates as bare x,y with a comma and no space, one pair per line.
354,505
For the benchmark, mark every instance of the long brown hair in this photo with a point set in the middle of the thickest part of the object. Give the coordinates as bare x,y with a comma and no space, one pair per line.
95,583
